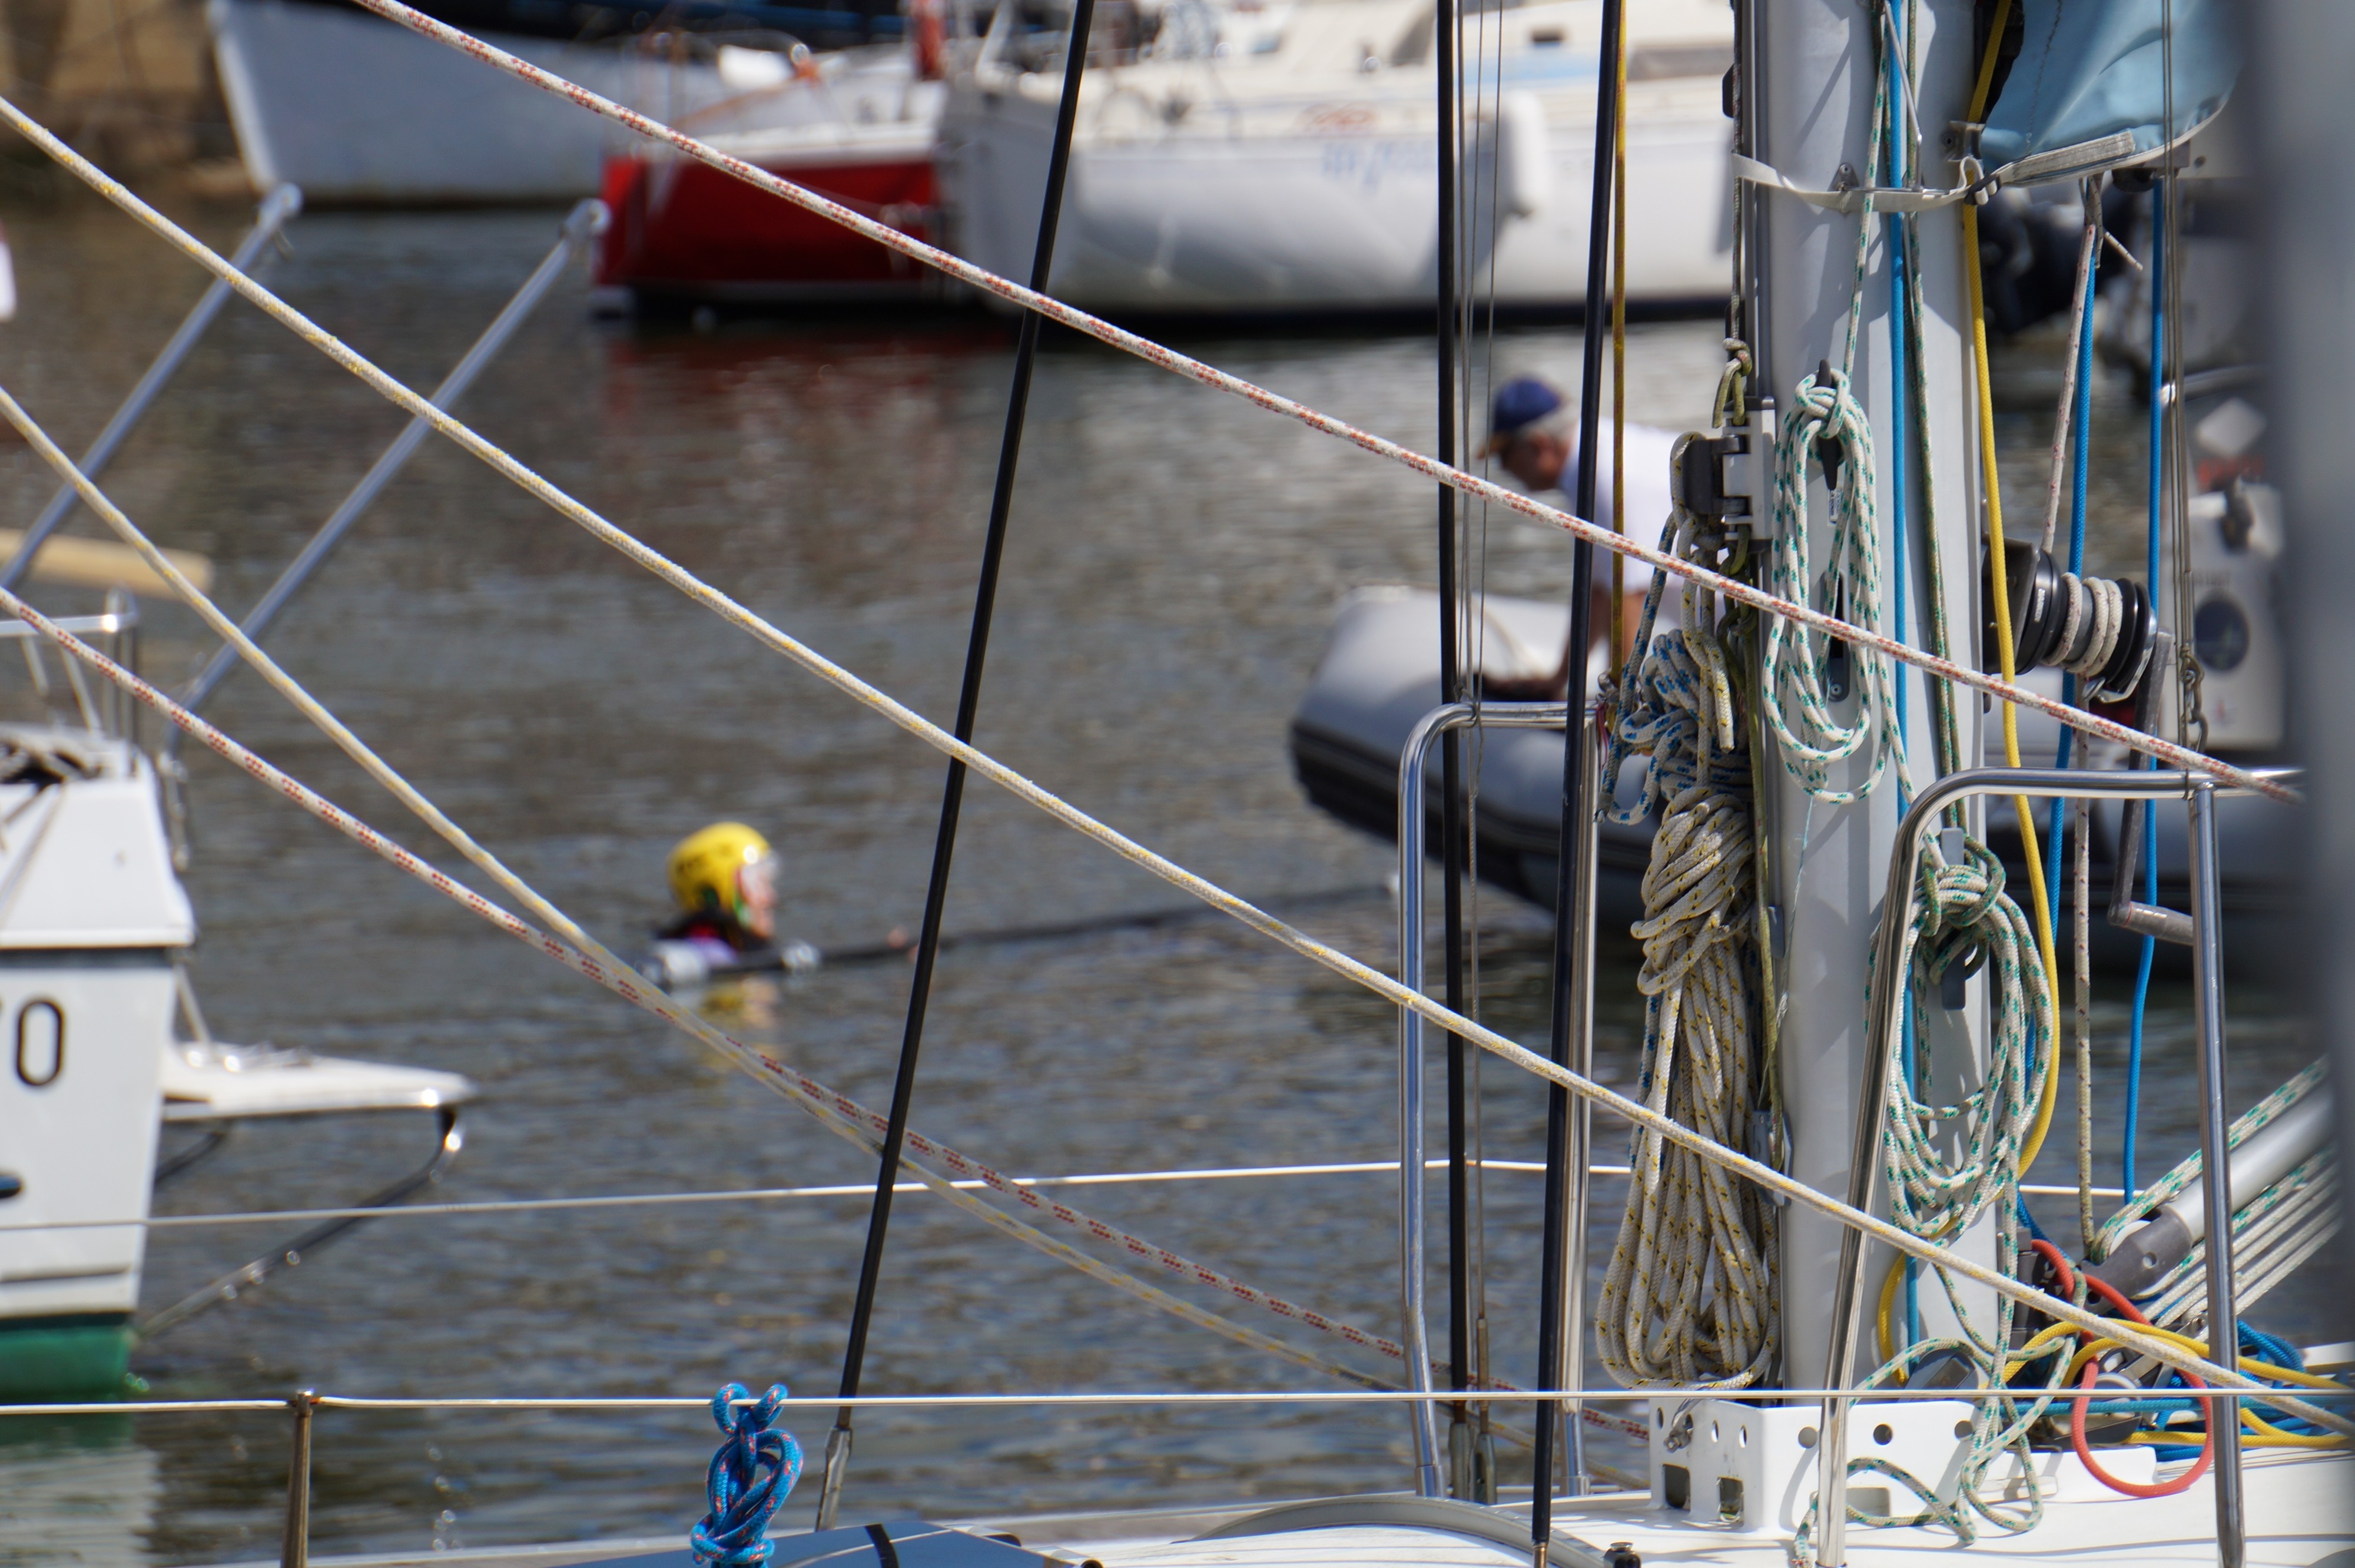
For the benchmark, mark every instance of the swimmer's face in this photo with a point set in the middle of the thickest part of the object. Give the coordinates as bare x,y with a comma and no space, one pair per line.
756,897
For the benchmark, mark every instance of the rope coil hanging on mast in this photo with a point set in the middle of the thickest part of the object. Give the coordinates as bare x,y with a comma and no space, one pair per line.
1690,1298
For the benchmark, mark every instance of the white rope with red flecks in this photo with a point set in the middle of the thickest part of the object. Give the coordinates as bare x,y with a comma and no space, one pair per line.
1015,782
601,963
1169,359
838,1111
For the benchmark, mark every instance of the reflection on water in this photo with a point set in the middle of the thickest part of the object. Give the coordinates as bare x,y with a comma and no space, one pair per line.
1175,560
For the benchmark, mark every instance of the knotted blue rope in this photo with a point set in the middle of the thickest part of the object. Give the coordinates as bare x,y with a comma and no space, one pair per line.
735,1533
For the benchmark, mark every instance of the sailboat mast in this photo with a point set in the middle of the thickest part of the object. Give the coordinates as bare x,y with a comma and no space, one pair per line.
1813,78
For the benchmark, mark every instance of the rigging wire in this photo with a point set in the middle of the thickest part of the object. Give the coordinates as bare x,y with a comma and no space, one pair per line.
1447,145
1573,927
1093,326
936,890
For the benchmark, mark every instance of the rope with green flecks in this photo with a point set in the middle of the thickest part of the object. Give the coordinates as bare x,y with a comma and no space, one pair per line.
1827,425
1940,1183
2271,1232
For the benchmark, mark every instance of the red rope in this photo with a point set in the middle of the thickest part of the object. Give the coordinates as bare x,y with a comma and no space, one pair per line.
2067,1286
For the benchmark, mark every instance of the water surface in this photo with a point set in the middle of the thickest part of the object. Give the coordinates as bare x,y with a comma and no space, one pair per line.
1174,561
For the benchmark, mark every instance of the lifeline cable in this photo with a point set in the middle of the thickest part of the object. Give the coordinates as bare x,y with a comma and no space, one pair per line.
837,1111
1103,331
815,1097
1080,821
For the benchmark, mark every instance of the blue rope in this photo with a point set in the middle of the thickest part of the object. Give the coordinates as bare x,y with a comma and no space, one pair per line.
2254,1342
735,1533
2034,1230
1900,388
2150,566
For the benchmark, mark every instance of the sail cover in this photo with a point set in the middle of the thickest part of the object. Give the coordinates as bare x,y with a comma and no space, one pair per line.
2089,88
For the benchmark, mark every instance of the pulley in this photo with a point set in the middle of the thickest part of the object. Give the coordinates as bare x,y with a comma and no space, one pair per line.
2099,629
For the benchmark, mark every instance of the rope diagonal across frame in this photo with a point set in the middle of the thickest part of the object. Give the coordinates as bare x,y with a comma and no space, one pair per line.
600,966
836,1110
813,1094
410,401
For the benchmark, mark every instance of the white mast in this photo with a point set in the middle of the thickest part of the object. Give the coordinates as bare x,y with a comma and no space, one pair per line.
1814,63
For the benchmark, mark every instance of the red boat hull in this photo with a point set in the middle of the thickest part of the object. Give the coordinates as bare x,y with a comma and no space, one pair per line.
684,228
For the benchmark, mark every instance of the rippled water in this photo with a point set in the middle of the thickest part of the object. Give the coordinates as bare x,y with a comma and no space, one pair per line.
1174,561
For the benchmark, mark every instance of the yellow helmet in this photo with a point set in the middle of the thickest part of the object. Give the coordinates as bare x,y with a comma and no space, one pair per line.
704,867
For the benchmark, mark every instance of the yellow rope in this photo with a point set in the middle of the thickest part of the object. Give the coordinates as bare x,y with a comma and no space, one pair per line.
1993,487
1889,1309
1054,806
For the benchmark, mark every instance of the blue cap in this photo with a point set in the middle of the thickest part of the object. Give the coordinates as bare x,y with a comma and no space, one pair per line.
1519,403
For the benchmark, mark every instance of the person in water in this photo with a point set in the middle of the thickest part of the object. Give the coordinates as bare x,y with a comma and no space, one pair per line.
724,881
1533,436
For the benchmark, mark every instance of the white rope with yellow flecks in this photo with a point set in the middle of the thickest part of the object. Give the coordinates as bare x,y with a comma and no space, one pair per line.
1688,1299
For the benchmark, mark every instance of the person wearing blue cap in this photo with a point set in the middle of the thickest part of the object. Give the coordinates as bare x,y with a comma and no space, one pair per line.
1534,431
1533,434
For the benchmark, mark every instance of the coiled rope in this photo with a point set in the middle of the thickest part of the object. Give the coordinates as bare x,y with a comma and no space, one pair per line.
1688,1298
1828,424
596,963
1963,916
735,1533
1825,417
506,464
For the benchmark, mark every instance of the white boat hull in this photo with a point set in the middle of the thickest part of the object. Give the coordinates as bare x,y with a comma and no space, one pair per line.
357,111
1295,201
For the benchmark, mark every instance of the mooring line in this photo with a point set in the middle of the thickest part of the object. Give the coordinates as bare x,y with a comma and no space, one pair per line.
1145,348
837,1109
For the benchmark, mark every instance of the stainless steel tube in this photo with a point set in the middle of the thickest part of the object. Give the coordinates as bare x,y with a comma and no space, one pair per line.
277,209
2215,1171
585,222
1414,1333
1571,1354
295,1544
1886,1007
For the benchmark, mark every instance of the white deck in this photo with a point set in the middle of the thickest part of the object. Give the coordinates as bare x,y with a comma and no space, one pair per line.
226,1082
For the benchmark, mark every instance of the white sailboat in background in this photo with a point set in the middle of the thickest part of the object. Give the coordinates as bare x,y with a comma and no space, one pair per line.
1282,157
1853,1046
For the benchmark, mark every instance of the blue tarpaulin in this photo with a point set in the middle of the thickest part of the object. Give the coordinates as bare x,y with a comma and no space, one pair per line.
2089,88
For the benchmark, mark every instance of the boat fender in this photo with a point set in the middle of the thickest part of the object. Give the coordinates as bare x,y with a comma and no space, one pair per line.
1524,155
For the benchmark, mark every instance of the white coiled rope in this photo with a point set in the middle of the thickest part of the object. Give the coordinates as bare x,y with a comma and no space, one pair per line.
1813,741
1688,1299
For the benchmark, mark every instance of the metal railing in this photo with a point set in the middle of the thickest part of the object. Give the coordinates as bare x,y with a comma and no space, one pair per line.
1413,759
115,630
1887,1011
303,1406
